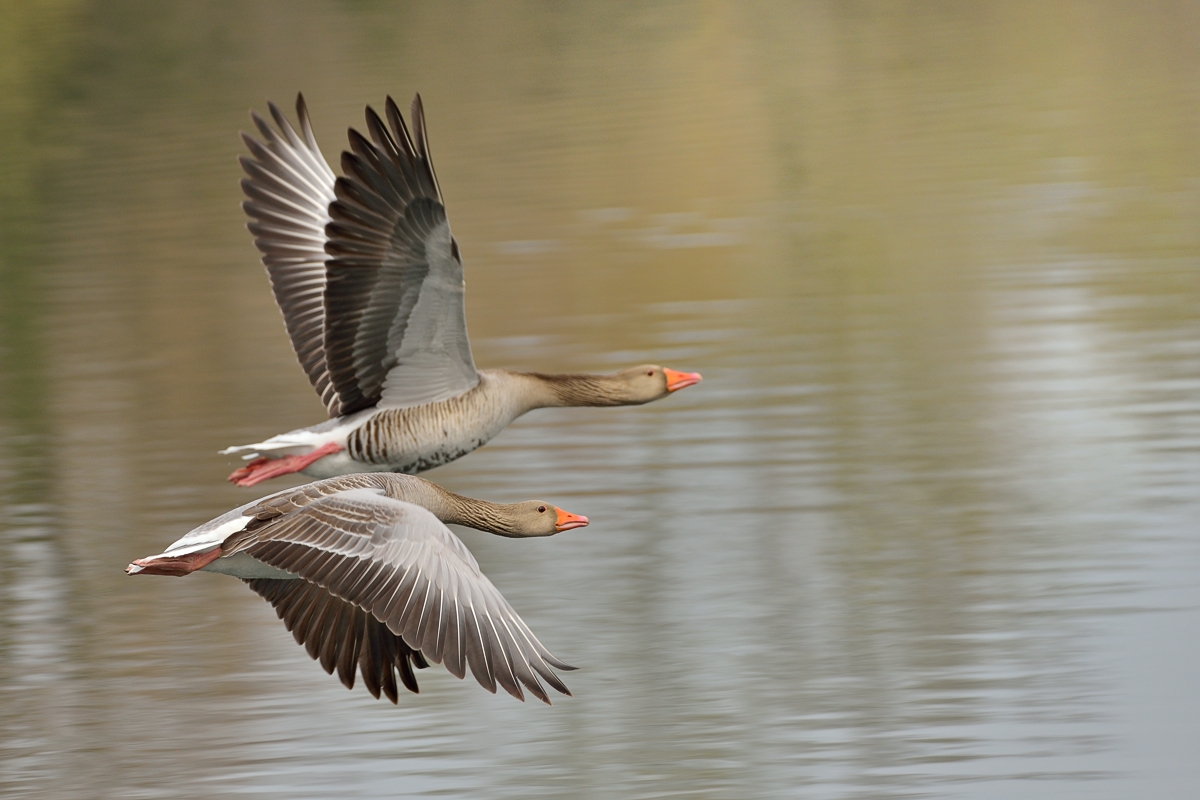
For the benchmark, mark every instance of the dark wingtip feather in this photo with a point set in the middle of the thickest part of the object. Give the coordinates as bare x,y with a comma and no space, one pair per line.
398,127
284,125
557,664
418,117
362,146
262,125
380,133
277,115
417,113
305,122
406,675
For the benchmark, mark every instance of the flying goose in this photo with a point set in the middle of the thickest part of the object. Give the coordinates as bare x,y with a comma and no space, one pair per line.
370,283
363,572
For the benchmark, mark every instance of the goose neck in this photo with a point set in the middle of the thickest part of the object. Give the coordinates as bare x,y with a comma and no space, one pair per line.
573,390
454,509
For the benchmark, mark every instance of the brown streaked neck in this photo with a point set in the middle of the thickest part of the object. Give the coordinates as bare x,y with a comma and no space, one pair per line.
552,391
452,508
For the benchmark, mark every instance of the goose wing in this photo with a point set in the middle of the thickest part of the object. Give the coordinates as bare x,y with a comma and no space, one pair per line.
289,187
342,636
395,324
399,564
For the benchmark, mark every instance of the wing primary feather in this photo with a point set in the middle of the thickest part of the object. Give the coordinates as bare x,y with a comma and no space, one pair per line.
366,164
306,127
418,117
476,649
520,664
310,608
501,665
316,623
406,675
390,614
391,658
264,129
275,187
285,127
538,647
399,128
431,624
348,653
348,191
381,135
411,615
333,634
370,660
277,158
452,651
290,181
445,608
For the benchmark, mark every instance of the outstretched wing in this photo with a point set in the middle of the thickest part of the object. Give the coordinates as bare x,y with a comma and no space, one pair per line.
342,636
397,562
290,187
395,330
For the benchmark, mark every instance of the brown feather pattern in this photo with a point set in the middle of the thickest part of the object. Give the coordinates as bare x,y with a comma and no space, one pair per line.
341,636
375,564
348,259
289,187
388,206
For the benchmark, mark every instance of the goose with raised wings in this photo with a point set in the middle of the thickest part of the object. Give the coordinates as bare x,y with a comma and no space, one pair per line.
370,283
365,574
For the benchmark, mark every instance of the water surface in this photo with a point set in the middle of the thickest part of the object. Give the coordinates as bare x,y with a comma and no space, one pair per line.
926,529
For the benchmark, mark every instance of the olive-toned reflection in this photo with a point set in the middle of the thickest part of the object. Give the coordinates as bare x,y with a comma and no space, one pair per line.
917,532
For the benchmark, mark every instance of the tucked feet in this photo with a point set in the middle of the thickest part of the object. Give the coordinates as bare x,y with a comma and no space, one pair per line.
177,566
262,469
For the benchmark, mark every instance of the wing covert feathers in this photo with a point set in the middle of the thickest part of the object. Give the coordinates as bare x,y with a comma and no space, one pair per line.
396,332
363,267
385,586
289,187
342,637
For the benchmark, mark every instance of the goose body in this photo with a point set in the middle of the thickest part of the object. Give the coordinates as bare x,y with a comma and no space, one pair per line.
366,575
370,283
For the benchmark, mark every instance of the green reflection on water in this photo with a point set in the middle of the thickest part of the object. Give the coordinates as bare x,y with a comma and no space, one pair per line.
973,228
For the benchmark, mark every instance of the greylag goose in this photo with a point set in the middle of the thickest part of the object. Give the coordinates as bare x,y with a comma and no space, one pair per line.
363,572
370,283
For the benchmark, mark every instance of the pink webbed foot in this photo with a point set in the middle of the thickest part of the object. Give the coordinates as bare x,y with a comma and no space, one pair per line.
176,566
248,469
262,469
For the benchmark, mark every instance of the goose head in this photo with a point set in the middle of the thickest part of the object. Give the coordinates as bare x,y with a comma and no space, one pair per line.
650,381
536,518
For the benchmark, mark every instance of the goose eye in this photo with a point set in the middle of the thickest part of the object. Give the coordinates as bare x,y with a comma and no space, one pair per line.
650,372
541,509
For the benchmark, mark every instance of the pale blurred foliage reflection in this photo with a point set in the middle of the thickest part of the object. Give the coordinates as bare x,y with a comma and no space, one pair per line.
937,263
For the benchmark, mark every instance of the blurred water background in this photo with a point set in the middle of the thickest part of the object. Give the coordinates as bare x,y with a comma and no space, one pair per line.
927,529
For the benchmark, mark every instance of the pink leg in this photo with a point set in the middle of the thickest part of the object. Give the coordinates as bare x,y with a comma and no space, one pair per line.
261,469
176,566
248,469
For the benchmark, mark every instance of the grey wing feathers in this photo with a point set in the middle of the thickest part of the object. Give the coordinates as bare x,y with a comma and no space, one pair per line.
396,325
342,636
289,187
402,567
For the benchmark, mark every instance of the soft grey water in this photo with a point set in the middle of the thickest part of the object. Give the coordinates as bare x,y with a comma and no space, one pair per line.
926,529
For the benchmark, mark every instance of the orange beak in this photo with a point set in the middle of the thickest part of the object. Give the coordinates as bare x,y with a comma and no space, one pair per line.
566,521
680,380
